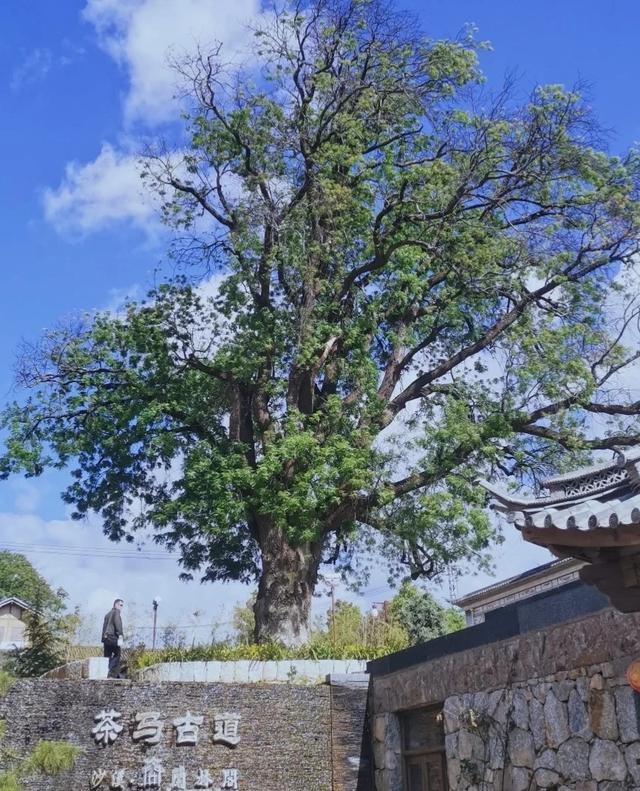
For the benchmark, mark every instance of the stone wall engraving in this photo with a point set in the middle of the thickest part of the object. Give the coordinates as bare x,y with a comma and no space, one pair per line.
106,730
287,734
187,728
148,728
225,729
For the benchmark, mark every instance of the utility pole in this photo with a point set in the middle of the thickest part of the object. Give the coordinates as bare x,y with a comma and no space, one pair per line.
332,581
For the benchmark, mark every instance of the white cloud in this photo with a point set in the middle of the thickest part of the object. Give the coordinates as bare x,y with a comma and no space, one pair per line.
96,194
119,297
143,36
94,571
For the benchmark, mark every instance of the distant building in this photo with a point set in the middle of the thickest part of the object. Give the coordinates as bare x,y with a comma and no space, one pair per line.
12,623
536,580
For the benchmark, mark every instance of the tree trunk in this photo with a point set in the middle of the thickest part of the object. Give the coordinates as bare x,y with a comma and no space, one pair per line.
288,580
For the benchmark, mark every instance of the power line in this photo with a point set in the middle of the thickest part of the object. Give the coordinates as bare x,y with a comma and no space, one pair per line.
140,554
170,625
95,552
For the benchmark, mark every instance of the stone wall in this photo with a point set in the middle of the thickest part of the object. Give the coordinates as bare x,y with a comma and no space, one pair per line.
287,734
576,729
547,709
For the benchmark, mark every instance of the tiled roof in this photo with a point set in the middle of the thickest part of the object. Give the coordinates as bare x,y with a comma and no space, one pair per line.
621,460
564,565
16,600
586,515
589,512
604,495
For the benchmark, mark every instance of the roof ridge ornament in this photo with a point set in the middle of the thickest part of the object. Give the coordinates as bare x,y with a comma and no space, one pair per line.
591,514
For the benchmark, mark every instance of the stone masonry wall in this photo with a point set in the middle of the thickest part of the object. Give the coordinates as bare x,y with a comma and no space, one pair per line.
570,730
285,734
547,709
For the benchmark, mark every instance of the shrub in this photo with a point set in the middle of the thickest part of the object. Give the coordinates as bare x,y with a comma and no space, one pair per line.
6,681
51,758
319,647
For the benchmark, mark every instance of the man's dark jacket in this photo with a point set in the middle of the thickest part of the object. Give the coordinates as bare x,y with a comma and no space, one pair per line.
112,626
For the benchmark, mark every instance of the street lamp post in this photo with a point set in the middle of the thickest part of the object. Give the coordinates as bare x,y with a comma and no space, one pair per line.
156,602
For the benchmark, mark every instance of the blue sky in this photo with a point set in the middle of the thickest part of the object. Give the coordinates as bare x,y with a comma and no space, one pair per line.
82,84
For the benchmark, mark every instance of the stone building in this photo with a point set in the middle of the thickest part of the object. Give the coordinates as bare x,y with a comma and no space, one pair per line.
534,694
534,697
12,624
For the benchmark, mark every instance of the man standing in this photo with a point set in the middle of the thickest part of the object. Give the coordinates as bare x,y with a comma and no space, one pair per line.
112,637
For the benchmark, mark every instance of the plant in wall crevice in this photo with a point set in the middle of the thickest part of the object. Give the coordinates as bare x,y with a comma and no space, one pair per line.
49,757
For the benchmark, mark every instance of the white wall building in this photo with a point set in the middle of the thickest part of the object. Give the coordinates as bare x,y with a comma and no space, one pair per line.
12,623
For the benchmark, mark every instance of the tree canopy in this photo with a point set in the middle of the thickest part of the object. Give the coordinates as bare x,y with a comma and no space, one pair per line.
408,281
421,616
19,578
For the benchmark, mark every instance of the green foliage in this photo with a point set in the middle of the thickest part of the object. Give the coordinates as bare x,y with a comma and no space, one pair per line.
421,616
10,781
6,682
347,634
244,621
348,626
47,758
51,758
413,289
319,647
19,578
454,620
44,647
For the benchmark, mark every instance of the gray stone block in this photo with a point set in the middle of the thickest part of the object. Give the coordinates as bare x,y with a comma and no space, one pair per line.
270,671
573,759
212,672
521,749
602,713
626,714
579,724
555,720
606,762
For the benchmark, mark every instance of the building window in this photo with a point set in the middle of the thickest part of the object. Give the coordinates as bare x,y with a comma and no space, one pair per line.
423,750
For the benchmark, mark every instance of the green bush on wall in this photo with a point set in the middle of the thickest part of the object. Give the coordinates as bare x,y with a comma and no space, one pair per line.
322,648
48,757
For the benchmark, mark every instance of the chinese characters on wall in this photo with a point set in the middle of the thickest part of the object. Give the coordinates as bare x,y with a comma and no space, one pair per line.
149,729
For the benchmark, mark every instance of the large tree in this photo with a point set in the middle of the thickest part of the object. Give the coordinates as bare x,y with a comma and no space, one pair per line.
393,250
19,578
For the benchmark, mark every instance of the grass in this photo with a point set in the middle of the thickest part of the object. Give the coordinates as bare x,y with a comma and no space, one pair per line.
6,681
51,758
223,652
